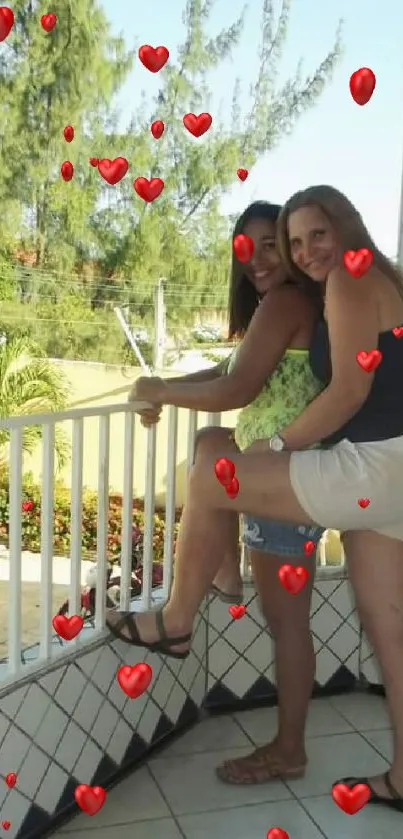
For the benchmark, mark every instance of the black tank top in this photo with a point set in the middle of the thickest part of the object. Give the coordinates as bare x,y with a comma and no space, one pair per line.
381,415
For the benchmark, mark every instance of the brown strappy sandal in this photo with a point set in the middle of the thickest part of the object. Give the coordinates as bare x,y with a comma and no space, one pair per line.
396,800
231,599
164,645
259,767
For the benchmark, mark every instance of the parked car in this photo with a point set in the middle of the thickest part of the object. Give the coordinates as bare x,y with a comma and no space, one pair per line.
206,333
141,336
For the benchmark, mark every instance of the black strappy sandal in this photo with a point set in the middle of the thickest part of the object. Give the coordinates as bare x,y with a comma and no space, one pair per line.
396,800
231,599
164,645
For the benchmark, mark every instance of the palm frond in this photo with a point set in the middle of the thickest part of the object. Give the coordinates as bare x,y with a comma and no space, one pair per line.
30,384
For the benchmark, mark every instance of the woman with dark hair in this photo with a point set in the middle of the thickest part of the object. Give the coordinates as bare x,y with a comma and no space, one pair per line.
245,293
352,483
269,377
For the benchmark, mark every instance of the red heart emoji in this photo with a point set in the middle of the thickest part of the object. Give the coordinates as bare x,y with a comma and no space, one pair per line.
68,133
11,779
157,129
358,262
293,578
94,161
309,547
148,190
113,171
134,680
6,825
66,627
362,85
153,58
364,502
232,488
398,331
369,361
225,470
48,22
67,170
90,799
242,174
243,247
277,833
237,612
351,799
6,22
197,125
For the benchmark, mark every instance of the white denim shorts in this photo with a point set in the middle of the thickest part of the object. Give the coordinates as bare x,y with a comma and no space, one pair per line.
329,483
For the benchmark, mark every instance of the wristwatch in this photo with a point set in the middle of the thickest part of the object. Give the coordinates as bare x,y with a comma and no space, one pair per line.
276,443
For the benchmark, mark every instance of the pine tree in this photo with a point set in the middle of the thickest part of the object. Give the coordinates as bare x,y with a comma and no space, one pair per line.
70,76
182,235
49,80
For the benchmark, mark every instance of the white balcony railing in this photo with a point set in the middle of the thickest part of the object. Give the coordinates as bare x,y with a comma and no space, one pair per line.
77,418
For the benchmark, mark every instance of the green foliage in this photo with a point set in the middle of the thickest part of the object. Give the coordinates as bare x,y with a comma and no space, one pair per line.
72,76
30,384
31,521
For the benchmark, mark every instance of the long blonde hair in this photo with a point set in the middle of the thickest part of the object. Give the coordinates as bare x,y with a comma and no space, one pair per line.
345,220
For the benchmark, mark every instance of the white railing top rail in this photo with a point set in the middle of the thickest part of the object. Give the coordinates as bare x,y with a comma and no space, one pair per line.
23,420
15,425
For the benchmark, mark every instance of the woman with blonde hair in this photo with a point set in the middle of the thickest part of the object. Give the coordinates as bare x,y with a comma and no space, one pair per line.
352,483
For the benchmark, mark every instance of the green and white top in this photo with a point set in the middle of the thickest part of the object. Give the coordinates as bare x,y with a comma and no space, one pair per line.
282,399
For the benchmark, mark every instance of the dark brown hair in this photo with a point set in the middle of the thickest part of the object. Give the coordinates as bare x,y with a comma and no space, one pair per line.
243,297
346,222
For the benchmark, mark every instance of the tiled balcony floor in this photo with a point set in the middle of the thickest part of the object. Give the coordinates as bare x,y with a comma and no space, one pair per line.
177,796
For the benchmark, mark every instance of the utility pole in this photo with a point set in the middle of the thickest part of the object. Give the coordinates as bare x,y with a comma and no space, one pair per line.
132,341
159,324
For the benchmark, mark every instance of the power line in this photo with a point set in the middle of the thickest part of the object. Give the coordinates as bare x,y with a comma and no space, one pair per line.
206,304
170,288
106,305
21,319
179,289
38,275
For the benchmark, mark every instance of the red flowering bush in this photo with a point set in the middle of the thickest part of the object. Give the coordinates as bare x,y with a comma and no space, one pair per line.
27,506
31,520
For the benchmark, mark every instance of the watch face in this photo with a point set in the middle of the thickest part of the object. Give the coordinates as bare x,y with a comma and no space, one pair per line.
277,443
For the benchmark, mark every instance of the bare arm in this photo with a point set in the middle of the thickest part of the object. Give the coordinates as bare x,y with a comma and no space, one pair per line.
270,332
353,326
148,388
201,375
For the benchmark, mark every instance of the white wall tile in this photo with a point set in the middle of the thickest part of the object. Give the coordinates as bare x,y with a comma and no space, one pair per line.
51,729
51,788
32,771
71,746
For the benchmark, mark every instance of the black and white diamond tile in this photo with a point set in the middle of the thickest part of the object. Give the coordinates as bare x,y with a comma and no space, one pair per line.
369,668
241,654
75,725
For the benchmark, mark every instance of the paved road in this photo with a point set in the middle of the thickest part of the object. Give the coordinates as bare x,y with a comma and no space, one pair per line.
30,612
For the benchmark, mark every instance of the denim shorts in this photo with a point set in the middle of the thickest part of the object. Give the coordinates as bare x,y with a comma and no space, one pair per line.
278,537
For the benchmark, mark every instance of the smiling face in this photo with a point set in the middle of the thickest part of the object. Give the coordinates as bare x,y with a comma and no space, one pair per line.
264,270
313,244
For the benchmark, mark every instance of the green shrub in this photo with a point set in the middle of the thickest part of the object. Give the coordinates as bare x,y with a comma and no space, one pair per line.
31,520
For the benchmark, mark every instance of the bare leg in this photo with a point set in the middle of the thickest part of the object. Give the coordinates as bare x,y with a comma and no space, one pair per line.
206,529
228,578
288,621
375,566
207,523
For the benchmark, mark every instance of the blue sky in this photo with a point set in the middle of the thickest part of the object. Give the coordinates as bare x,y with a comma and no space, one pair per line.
357,149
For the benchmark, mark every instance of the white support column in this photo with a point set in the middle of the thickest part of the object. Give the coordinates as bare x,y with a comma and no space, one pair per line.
400,230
